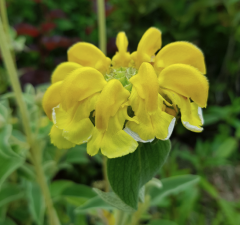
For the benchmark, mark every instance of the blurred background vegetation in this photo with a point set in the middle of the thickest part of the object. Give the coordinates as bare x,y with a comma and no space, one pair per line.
43,30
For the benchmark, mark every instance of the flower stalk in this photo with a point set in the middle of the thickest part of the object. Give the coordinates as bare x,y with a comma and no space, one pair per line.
101,25
121,217
4,18
34,149
106,182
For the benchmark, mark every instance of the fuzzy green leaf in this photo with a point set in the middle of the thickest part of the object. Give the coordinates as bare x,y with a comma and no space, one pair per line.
93,203
172,185
8,165
112,199
10,193
36,202
129,173
227,147
9,160
75,194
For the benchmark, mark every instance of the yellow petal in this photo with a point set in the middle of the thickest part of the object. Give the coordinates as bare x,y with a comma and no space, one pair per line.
191,113
180,52
122,57
150,42
114,142
94,144
163,124
187,81
79,132
196,110
135,136
158,124
122,42
51,98
112,97
62,118
58,140
63,70
146,84
80,84
89,55
144,128
76,125
118,144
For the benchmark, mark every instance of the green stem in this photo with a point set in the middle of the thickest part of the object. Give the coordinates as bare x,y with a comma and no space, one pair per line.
106,182
34,147
121,217
52,215
142,208
101,25
4,17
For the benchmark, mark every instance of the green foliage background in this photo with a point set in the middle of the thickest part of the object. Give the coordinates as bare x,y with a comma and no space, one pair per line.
213,25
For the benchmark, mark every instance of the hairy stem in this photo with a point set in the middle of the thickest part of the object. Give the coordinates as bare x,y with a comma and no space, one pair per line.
34,147
4,17
106,182
121,217
142,208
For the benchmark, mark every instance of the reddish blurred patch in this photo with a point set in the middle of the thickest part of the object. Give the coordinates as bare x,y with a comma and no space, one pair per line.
55,14
47,26
109,8
35,77
88,30
27,29
54,42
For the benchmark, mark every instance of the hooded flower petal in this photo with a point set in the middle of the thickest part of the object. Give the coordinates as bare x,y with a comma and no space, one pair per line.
117,142
163,123
89,55
58,140
111,98
75,123
180,52
94,144
63,70
111,113
158,124
122,57
52,98
81,84
150,42
191,113
144,128
147,105
114,142
186,81
146,84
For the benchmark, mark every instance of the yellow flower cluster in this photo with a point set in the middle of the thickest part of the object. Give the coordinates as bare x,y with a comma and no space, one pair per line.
114,104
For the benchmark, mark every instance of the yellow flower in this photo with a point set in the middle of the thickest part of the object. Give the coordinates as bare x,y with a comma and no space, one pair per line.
113,105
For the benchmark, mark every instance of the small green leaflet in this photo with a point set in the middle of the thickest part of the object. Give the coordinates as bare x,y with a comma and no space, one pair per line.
112,199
